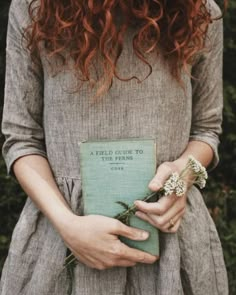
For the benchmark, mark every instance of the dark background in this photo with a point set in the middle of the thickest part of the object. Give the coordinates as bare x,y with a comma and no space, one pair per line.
220,194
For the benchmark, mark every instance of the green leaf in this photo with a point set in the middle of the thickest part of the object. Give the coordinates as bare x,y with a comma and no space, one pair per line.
124,205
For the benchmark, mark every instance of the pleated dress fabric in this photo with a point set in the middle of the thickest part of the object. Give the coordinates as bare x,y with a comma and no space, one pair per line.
44,115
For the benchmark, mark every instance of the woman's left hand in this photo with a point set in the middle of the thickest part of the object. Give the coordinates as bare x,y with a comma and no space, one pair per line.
167,212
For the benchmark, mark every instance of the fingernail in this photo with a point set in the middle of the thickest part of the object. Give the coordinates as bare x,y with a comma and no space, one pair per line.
155,185
136,203
144,235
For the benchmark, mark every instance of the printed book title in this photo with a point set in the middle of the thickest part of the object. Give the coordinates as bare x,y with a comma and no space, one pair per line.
117,158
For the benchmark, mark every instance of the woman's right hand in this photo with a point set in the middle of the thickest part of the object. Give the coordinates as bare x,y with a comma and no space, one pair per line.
94,241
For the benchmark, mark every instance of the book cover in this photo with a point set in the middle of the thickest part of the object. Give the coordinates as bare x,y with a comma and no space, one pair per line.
119,170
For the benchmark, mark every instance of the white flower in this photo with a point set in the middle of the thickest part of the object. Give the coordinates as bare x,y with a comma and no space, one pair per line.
198,171
204,173
201,182
181,188
194,164
174,184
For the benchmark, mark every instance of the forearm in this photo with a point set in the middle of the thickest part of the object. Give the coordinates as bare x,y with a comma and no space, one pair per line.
35,177
200,150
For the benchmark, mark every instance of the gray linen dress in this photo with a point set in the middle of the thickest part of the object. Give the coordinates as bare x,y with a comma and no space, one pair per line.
44,116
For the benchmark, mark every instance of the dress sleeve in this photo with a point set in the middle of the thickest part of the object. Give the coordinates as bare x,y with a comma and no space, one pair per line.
207,92
22,122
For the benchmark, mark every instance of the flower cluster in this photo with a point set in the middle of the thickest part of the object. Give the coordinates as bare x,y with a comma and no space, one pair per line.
199,172
193,173
175,184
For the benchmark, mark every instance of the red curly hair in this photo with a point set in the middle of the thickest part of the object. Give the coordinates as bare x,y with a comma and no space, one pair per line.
88,29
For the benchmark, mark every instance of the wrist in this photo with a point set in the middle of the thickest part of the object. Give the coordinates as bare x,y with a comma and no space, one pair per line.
62,219
181,163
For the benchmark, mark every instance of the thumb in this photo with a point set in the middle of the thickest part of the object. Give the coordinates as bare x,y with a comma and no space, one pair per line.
132,233
162,174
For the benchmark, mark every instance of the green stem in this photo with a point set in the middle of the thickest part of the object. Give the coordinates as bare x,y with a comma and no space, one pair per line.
68,257
124,216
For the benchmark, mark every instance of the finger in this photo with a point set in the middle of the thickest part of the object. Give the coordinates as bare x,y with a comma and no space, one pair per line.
136,255
145,217
121,263
158,221
114,263
163,172
173,219
175,228
125,263
103,264
159,207
175,211
131,232
80,259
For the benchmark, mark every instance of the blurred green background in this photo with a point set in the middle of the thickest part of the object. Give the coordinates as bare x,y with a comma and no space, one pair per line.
220,194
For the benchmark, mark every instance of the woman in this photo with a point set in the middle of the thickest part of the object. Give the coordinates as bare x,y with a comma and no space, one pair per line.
77,50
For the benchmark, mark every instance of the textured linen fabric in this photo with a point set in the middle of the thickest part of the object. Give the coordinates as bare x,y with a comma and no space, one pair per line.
44,116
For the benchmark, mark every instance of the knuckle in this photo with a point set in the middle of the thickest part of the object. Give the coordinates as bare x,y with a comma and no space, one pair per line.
160,221
122,252
117,225
135,233
132,231
115,250
141,257
161,210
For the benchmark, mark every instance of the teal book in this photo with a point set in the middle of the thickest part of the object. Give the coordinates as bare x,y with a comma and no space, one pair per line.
119,171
